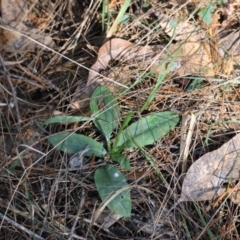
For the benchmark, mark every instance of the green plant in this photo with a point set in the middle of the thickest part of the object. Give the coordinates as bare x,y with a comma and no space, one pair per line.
122,16
206,13
110,182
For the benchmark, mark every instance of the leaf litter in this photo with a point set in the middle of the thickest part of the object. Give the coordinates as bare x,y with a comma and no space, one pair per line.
69,207
207,177
194,53
22,30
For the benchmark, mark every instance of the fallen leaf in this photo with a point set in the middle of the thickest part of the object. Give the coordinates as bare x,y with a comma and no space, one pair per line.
205,178
108,218
13,10
230,42
117,48
24,38
15,34
193,54
235,196
183,30
194,59
190,57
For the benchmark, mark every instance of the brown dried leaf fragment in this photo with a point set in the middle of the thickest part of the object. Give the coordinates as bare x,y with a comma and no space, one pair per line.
183,31
117,48
13,10
15,35
194,59
235,196
205,178
113,49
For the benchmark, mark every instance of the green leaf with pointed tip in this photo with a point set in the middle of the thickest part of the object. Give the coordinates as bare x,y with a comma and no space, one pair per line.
127,119
108,180
104,105
65,119
74,143
147,130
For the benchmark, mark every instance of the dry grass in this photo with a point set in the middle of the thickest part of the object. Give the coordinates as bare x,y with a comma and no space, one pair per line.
41,198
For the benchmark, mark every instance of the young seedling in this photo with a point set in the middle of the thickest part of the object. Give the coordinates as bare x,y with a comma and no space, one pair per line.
110,182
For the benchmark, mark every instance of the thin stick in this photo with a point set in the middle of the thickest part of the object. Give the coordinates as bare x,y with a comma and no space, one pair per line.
13,90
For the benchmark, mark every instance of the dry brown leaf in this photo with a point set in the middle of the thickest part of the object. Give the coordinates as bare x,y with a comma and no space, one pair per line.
15,40
231,43
190,57
232,192
14,14
183,31
205,178
193,55
115,3
13,10
117,48
208,60
235,196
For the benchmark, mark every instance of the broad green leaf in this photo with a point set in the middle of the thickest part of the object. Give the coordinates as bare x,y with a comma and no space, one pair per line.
104,105
121,159
206,13
109,180
74,143
65,119
147,130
